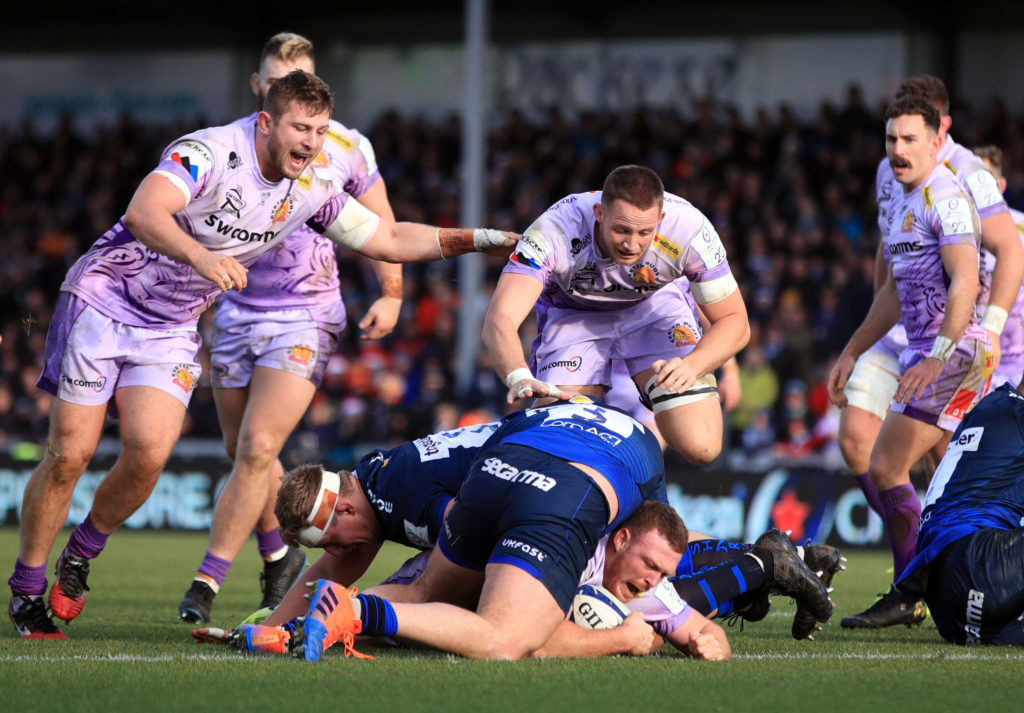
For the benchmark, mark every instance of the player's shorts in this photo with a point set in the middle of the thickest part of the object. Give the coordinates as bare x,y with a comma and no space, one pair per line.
872,384
530,510
410,570
299,341
89,356
963,382
975,588
625,396
578,346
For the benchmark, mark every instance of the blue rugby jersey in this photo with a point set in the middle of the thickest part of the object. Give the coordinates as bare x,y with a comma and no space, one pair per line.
978,484
410,486
586,431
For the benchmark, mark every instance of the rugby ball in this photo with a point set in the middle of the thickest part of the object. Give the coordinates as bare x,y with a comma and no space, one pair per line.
594,607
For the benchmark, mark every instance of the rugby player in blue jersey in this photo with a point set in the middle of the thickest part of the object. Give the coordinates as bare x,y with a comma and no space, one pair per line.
970,546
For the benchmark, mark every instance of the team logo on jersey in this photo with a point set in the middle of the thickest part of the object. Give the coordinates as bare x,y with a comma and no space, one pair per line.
667,246
321,161
97,384
643,274
220,370
281,210
233,201
233,160
264,195
578,244
682,336
193,157
908,223
300,354
183,377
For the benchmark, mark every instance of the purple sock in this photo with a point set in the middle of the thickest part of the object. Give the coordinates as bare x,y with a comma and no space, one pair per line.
269,543
870,492
28,581
215,568
86,541
901,512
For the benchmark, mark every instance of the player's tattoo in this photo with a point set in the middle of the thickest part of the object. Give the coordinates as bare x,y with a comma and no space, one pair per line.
391,286
455,241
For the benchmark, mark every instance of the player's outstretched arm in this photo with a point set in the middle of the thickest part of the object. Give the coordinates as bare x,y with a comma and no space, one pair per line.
150,218
634,636
360,229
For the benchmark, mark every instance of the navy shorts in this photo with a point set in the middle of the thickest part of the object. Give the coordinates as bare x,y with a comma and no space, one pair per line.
975,589
526,508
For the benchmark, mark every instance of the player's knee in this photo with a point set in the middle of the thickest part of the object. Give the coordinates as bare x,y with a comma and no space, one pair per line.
700,453
64,466
855,450
258,450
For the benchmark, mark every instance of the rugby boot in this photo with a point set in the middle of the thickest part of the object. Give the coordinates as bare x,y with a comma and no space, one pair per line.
331,617
196,605
787,574
825,561
278,577
67,595
30,618
893,608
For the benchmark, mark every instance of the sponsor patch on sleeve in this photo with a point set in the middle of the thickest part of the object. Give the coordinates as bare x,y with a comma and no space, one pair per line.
669,597
955,216
709,246
532,249
195,158
984,189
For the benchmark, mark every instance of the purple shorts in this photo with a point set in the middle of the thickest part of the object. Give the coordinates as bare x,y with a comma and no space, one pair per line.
299,341
577,347
89,356
963,382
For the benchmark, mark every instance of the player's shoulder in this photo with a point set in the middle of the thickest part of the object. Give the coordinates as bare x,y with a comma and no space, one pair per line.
341,138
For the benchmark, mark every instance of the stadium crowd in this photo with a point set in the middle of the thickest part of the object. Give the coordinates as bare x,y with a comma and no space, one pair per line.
791,199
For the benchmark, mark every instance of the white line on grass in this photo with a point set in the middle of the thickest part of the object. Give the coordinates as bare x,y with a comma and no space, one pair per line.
134,658
957,656
131,658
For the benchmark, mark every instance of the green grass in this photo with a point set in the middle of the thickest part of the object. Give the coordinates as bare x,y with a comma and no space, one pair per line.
127,653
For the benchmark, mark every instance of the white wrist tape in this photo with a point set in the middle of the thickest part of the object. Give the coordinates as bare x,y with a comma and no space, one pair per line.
484,238
517,375
437,236
994,319
942,349
322,514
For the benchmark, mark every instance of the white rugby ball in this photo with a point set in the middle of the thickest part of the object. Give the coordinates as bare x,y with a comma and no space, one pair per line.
594,607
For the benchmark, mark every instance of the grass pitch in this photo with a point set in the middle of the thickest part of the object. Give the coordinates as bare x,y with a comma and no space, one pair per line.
126,652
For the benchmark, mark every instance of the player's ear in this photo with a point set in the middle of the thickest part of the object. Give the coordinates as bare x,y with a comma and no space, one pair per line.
598,211
254,83
621,538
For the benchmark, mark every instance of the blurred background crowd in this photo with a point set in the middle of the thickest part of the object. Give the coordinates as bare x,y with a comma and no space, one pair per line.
792,200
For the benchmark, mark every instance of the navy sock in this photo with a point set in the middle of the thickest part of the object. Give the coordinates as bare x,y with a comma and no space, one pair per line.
716,587
378,616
